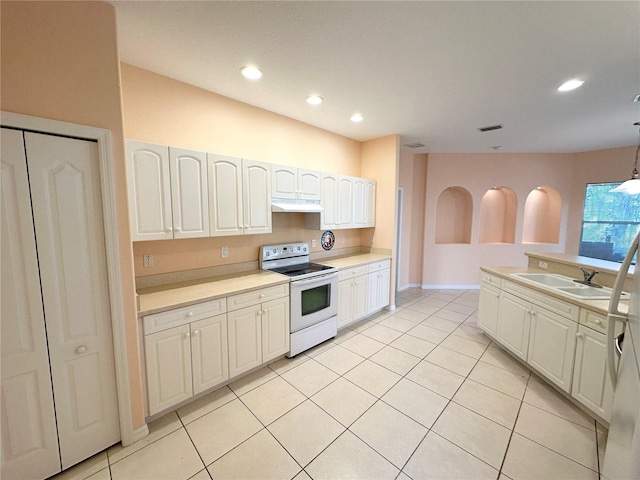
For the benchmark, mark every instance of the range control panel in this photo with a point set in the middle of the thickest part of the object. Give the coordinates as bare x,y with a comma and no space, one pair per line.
288,250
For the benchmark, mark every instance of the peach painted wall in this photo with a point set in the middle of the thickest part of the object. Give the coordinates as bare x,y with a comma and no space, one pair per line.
612,165
60,61
458,264
412,178
379,162
193,118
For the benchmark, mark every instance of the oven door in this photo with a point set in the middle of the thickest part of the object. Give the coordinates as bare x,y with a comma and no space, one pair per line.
313,300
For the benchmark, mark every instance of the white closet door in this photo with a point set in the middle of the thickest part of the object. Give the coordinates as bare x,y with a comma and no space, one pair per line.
67,209
29,437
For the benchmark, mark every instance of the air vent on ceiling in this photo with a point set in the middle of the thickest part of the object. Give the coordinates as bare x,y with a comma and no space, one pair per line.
488,129
414,145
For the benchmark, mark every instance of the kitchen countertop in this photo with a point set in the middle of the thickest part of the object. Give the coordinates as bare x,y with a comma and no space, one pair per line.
599,306
174,295
165,297
354,260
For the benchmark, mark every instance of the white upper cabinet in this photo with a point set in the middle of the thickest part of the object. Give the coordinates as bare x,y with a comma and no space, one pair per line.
370,203
329,201
239,196
359,202
149,191
189,193
256,185
295,183
225,195
345,202
168,192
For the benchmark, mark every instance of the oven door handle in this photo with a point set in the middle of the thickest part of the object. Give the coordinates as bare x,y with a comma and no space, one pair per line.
319,278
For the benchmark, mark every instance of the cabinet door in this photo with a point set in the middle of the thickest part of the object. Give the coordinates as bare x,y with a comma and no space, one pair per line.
385,286
67,210
256,187
552,344
378,289
329,201
345,302
209,352
245,339
591,383
360,300
275,328
370,204
359,202
488,309
345,202
189,193
149,189
284,181
168,362
308,184
513,324
29,436
225,195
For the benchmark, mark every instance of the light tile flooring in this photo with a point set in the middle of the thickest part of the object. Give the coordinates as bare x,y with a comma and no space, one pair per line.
416,393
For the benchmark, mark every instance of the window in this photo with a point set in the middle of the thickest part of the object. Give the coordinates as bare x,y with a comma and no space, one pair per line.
610,221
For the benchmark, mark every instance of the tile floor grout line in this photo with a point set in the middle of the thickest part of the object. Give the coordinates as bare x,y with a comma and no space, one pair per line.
191,440
513,429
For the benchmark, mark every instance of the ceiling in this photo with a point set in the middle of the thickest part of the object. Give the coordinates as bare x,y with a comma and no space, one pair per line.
432,72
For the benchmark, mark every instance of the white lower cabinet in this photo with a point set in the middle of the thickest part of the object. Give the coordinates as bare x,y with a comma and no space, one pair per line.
591,383
552,341
352,295
184,361
379,284
257,333
513,324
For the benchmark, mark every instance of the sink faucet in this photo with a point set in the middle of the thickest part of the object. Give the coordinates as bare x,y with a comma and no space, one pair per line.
587,277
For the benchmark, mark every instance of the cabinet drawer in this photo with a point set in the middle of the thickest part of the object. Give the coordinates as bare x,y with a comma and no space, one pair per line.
490,279
257,296
552,304
381,265
180,316
594,320
348,273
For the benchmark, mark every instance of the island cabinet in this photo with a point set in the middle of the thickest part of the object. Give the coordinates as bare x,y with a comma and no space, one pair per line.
561,341
185,352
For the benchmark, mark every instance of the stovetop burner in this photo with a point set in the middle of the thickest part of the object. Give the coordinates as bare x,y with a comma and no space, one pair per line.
301,269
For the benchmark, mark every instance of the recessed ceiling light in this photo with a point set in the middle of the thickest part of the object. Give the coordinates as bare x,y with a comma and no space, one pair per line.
252,73
314,100
570,85
356,117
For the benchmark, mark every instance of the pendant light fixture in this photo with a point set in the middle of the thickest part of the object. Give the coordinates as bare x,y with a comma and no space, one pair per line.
632,186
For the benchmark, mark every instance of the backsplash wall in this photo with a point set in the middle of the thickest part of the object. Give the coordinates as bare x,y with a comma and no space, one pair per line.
193,253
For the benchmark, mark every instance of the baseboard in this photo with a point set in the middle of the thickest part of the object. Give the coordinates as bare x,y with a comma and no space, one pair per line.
450,287
408,286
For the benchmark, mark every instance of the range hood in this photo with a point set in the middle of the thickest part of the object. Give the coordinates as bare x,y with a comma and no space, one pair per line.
291,205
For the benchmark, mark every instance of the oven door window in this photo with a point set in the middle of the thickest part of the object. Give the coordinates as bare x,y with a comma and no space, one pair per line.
315,299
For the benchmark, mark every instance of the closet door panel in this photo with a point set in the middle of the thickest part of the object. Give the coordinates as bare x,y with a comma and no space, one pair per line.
29,437
67,208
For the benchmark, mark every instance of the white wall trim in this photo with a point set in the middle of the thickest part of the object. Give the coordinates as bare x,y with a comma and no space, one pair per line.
107,183
450,287
408,286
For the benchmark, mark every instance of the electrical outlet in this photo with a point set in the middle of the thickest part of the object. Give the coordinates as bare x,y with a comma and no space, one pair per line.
224,252
344,239
542,264
148,261
313,242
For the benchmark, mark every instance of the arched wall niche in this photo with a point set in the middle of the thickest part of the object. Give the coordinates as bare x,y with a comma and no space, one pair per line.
498,210
542,212
453,216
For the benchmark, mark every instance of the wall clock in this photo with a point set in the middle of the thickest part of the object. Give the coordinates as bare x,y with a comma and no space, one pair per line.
328,239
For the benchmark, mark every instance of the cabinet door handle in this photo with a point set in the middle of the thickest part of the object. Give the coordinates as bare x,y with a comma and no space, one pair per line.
169,230
579,335
196,332
190,314
597,321
178,229
497,295
187,335
262,295
80,350
264,311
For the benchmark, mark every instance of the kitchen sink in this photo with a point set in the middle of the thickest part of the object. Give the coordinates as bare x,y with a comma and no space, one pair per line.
566,285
